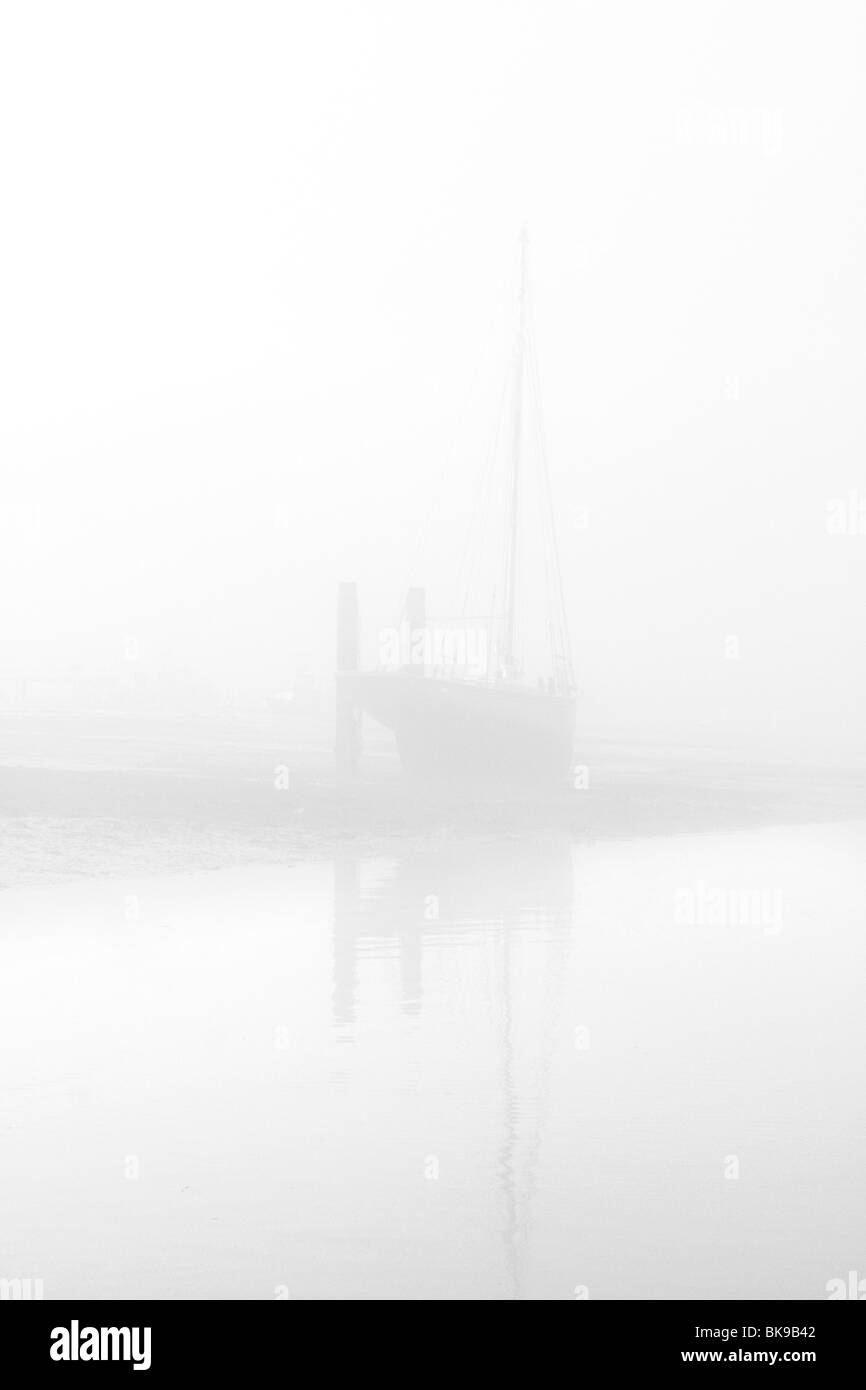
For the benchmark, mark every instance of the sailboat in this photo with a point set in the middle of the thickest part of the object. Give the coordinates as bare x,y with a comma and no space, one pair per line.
450,721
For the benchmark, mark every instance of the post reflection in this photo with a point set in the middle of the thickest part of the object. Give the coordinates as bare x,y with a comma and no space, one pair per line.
475,928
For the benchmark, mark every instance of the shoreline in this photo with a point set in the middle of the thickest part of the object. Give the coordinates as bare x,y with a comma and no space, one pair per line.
249,796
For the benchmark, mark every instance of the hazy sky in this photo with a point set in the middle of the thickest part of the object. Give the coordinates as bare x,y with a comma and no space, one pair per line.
253,255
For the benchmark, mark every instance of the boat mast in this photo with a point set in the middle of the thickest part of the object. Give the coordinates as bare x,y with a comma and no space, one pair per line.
509,661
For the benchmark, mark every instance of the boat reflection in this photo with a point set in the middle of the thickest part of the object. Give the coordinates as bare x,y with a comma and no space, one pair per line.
516,905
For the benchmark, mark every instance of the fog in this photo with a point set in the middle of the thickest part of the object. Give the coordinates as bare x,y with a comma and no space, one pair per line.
259,271
330,971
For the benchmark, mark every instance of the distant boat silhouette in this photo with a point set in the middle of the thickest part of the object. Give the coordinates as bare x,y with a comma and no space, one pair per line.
459,721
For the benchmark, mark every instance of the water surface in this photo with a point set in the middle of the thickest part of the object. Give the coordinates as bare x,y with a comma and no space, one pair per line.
489,1068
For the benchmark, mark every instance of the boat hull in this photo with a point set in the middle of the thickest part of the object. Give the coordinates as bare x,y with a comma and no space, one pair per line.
448,729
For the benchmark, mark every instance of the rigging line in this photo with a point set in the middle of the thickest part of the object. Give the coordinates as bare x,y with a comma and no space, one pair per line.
504,570
558,642
569,660
444,467
516,480
544,520
509,565
447,458
471,559
557,963
506,1154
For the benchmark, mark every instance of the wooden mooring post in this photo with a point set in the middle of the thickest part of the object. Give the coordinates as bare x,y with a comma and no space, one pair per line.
347,742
